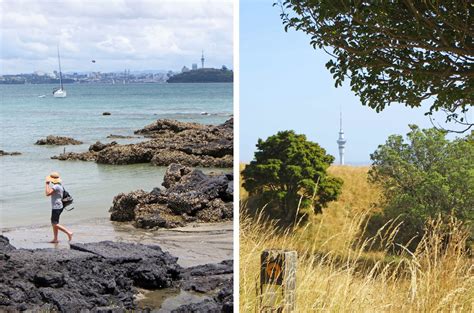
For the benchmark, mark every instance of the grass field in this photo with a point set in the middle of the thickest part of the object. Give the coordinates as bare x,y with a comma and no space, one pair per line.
336,273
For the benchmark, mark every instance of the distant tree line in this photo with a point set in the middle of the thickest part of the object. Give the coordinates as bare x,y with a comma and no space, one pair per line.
205,75
32,79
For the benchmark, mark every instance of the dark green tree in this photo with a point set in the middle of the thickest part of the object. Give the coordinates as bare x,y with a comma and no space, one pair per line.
395,51
423,177
288,170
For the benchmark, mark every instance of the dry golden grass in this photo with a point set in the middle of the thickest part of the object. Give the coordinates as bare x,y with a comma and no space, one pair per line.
335,275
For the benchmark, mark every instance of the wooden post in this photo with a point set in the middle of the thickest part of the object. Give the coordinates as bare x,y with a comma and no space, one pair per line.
278,281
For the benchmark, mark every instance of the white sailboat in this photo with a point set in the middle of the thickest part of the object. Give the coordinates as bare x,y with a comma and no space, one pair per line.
60,92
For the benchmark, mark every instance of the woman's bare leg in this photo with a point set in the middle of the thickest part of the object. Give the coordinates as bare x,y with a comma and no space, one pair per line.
65,230
55,234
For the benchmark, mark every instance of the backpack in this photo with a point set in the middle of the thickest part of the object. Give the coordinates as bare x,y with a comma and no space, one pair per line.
67,199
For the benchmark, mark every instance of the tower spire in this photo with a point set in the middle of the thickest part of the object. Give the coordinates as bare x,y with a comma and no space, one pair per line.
202,59
341,141
340,121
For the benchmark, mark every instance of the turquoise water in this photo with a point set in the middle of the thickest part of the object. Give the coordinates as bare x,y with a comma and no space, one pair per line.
26,116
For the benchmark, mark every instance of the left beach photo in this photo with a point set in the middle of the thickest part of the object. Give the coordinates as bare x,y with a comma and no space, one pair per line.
116,156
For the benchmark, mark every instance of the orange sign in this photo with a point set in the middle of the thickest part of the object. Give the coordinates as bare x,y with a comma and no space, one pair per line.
273,270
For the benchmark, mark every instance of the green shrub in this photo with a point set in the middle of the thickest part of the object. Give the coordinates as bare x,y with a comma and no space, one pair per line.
421,178
290,172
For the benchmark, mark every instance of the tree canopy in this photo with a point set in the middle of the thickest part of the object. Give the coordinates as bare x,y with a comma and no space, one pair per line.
203,75
395,51
289,171
425,176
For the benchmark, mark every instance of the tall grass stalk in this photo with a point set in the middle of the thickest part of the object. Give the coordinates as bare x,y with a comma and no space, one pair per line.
337,274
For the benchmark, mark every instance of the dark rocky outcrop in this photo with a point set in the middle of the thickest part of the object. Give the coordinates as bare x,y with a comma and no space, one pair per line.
166,125
112,136
170,141
106,113
190,196
98,146
74,156
206,279
58,141
2,153
174,173
90,155
5,245
102,277
125,154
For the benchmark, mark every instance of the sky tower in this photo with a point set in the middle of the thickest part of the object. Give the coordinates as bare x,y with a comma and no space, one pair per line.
341,142
202,59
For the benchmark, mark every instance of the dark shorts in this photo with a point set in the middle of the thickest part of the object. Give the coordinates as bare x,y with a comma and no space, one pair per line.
55,216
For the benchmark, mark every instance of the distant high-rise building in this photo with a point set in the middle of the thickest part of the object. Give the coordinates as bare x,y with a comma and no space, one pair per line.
341,142
202,59
184,69
194,66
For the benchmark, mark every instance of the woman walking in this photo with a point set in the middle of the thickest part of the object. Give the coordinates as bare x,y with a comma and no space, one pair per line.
55,190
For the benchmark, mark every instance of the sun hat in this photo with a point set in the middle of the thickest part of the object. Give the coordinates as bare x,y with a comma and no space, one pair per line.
54,178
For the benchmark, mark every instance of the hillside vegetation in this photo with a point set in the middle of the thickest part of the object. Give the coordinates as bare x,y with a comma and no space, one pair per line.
337,273
204,75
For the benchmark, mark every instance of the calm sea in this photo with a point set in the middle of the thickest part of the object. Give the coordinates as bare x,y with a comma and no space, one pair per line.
29,112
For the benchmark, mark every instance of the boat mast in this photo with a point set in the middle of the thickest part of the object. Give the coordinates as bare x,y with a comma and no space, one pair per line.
60,73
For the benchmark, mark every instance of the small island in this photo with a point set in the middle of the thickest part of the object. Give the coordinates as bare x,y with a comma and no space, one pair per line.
204,75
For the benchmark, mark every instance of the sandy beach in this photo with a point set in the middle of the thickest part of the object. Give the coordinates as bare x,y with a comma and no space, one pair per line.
194,244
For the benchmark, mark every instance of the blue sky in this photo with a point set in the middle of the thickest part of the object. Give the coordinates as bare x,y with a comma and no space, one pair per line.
285,85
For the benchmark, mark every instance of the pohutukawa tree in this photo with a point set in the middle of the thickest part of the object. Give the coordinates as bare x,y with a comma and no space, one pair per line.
289,172
405,51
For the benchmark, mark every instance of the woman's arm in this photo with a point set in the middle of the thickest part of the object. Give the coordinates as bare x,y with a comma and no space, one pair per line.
48,190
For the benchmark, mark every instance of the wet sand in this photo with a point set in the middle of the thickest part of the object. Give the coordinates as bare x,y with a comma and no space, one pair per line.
194,244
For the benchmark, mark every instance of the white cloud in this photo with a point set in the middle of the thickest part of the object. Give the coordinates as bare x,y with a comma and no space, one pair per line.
144,34
116,44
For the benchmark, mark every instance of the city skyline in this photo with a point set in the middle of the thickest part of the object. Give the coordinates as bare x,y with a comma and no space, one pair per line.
126,35
133,71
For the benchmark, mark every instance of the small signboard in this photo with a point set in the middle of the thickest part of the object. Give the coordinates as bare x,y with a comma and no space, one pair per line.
277,281
272,265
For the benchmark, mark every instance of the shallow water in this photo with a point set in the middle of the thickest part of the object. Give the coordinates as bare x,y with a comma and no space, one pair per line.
25,118
167,299
193,245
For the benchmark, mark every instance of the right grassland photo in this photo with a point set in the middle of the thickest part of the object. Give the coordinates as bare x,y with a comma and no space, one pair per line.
356,156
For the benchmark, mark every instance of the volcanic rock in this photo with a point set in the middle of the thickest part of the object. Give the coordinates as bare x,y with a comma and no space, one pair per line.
174,173
209,278
58,141
112,136
124,205
102,277
125,154
5,245
190,144
97,277
165,125
191,196
2,153
83,156
98,146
